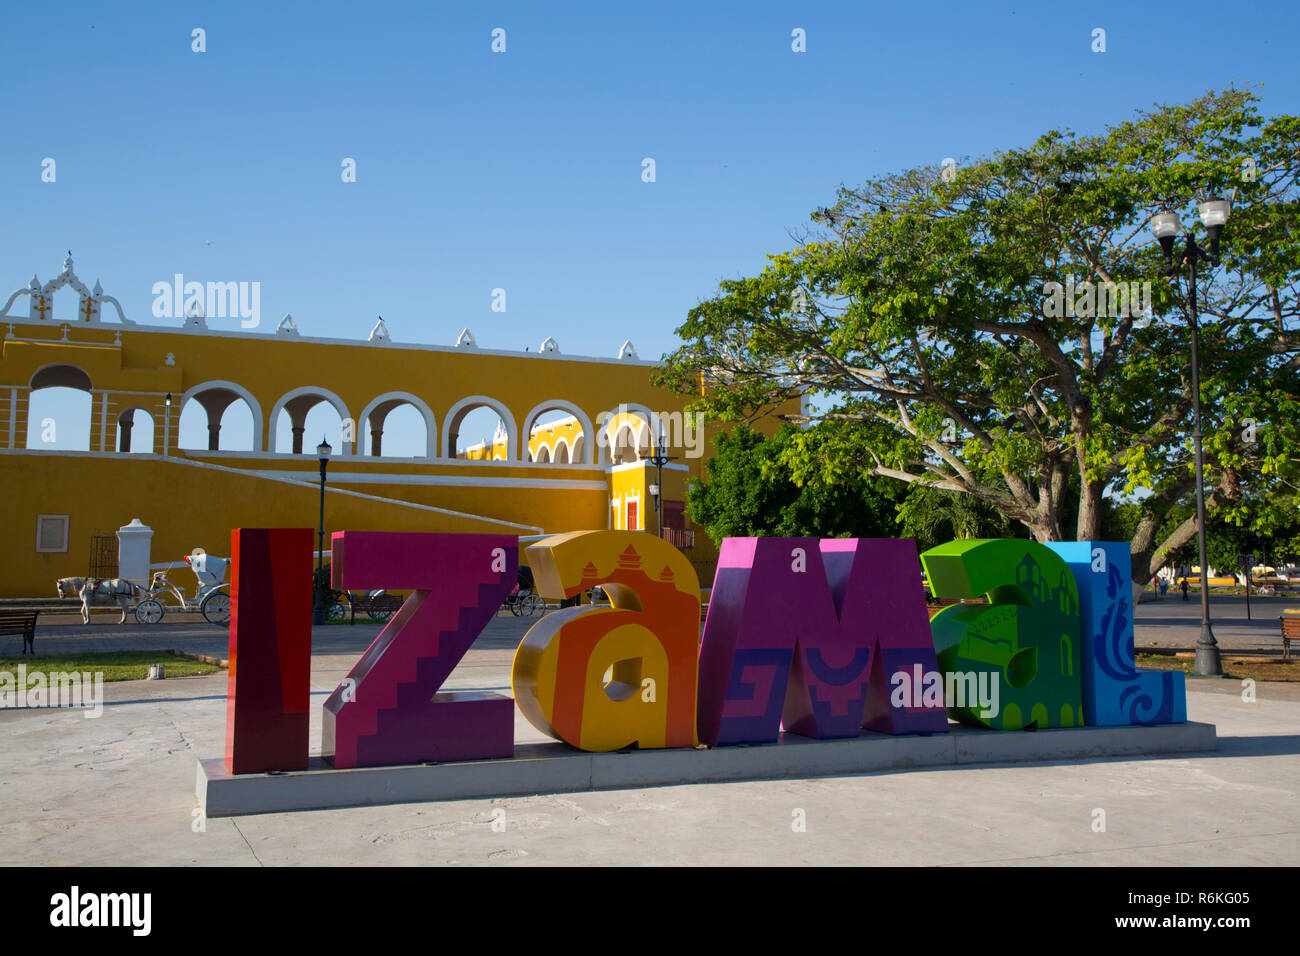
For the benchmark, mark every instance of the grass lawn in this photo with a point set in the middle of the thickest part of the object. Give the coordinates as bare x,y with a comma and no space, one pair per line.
1268,668
122,665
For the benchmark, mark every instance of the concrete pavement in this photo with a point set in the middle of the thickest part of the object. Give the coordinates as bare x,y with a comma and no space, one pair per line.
119,790
1173,622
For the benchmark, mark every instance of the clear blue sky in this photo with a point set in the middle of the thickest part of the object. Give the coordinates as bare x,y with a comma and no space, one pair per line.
522,170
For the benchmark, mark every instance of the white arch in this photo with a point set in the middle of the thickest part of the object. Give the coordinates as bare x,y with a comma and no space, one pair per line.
154,427
75,420
253,406
473,401
430,423
587,429
541,447
544,449
90,382
568,451
631,408
325,395
633,444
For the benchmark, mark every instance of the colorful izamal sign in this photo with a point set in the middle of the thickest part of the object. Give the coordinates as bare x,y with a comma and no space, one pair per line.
821,638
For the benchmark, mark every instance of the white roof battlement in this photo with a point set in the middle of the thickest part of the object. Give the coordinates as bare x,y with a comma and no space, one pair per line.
194,319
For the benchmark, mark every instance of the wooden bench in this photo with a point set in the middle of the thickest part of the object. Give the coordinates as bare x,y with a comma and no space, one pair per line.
1290,624
20,622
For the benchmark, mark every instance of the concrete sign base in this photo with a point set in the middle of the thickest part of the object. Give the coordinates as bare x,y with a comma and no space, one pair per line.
558,768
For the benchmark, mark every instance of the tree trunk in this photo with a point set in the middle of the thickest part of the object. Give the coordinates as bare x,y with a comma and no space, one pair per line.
1146,558
1089,526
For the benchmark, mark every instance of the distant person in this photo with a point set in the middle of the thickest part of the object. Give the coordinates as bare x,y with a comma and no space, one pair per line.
1164,587
1183,585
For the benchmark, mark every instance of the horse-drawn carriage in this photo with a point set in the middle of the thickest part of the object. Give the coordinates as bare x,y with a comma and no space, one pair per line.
523,599
211,595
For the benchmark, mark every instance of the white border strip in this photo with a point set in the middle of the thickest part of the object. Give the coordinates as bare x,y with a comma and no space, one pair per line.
456,481
267,476
264,337
389,460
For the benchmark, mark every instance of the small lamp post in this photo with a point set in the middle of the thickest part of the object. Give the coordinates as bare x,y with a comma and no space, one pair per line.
659,459
1165,226
167,420
318,610
654,493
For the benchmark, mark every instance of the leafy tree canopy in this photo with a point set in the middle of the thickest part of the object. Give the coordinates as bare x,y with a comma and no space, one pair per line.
1224,541
920,324
751,491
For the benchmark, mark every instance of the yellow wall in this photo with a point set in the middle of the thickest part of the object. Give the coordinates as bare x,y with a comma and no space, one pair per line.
270,368
535,496
558,441
193,498
187,504
483,451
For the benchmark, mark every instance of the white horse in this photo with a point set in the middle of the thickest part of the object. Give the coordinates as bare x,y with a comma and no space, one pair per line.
103,591
69,587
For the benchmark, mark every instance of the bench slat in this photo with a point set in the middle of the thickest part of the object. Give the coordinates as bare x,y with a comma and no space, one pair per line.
20,623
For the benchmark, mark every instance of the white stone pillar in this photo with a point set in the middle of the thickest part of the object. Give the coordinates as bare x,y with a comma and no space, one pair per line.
133,545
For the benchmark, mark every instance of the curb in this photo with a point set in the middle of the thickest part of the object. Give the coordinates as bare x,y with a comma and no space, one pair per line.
202,658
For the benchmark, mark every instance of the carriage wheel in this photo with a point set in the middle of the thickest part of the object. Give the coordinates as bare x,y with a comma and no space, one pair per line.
513,603
337,611
534,604
216,608
149,612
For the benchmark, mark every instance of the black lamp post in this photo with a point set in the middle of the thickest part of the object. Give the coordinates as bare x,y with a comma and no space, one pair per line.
1214,214
659,459
318,609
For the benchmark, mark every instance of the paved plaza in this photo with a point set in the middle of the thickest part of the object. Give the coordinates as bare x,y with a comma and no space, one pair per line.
119,789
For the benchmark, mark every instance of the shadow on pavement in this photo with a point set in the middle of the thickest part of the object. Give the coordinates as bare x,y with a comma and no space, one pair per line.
1261,746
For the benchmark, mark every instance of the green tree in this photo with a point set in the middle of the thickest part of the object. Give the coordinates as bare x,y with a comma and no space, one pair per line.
935,516
1224,541
750,491
924,322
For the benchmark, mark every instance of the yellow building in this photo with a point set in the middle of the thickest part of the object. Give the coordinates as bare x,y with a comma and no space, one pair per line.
570,451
